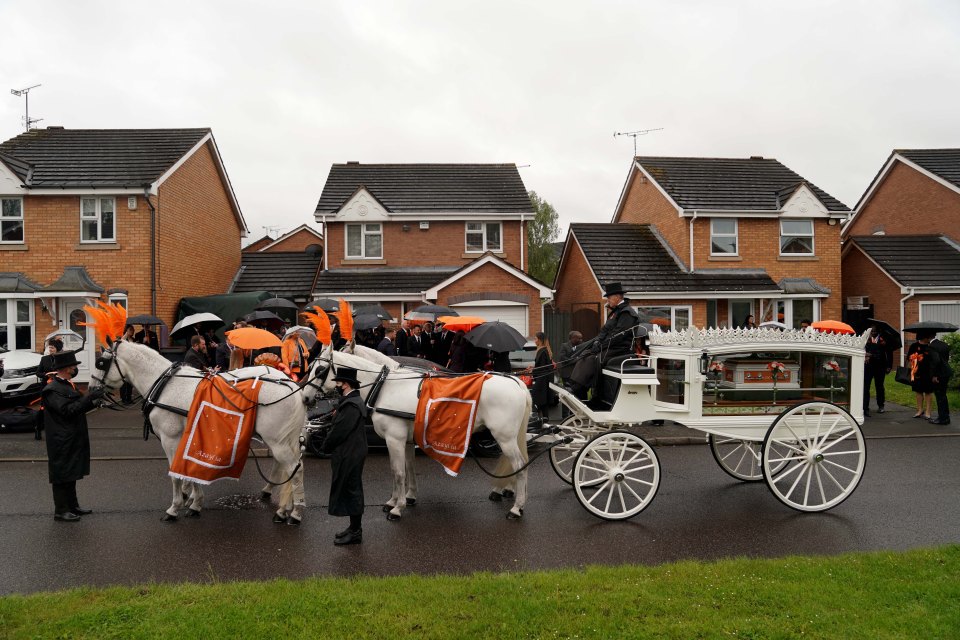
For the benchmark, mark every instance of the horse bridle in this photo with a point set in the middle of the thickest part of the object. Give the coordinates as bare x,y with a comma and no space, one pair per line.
105,362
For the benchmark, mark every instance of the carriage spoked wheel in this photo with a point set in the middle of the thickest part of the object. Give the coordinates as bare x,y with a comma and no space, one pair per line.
813,456
616,475
563,456
741,458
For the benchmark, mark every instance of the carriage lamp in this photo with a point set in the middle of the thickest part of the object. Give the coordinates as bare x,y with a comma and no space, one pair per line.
704,363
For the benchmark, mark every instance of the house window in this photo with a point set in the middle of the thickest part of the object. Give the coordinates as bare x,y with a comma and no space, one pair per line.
97,220
11,220
723,237
796,237
790,312
484,236
118,298
365,240
667,318
16,324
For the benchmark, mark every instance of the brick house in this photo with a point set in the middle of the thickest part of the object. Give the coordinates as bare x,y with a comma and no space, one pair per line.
403,235
707,242
901,248
141,217
300,239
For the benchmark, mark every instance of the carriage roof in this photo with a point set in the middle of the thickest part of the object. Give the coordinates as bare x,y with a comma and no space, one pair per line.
695,340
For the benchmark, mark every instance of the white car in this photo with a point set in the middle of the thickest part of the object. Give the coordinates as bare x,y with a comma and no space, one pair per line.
19,374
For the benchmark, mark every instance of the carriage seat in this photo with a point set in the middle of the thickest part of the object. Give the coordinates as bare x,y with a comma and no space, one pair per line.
628,364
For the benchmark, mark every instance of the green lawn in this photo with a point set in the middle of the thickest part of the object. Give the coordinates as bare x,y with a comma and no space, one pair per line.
878,595
902,394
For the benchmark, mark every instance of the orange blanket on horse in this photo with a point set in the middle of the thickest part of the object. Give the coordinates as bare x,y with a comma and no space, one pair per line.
445,417
216,441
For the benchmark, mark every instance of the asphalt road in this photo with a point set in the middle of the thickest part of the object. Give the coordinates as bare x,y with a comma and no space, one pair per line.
907,499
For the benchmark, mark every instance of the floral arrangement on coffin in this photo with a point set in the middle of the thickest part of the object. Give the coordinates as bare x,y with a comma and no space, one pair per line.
776,368
716,369
832,367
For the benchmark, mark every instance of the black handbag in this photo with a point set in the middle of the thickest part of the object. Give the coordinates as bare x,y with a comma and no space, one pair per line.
903,375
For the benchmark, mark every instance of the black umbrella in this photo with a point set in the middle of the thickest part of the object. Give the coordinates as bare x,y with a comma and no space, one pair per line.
429,312
374,310
325,304
366,321
930,325
277,303
893,336
496,336
145,319
265,317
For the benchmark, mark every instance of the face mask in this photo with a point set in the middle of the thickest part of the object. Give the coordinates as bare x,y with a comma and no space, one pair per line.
74,372
341,390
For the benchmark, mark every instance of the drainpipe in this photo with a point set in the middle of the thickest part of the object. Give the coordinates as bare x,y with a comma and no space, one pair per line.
323,224
521,242
903,319
691,239
153,251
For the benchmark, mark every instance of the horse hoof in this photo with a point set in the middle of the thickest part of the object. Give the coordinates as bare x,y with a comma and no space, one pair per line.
279,519
387,508
293,522
495,497
511,515
411,502
508,494
168,518
192,513
392,516
265,496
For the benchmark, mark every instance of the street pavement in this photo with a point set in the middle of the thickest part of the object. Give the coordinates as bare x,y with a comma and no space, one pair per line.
906,499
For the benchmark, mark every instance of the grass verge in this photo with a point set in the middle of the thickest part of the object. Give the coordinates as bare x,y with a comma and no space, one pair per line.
876,595
902,394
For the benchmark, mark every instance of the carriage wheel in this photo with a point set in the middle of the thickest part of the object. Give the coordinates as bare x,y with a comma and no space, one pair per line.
740,458
563,456
616,475
813,456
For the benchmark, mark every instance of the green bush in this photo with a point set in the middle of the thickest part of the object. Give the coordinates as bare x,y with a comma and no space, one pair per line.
953,341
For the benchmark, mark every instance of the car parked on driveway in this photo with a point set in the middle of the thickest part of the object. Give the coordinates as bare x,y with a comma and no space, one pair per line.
19,380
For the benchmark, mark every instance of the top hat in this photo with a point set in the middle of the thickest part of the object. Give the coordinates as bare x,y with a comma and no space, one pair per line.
63,360
347,374
613,289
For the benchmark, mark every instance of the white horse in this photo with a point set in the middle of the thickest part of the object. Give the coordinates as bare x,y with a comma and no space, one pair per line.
281,417
504,408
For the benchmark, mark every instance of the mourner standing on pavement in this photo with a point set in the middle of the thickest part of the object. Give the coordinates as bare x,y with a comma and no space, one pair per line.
876,365
387,346
196,355
347,446
940,379
68,443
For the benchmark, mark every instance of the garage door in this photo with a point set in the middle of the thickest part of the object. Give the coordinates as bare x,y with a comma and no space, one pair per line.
514,314
941,311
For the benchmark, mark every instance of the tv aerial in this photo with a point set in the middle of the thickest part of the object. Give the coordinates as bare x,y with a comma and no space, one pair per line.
27,120
634,134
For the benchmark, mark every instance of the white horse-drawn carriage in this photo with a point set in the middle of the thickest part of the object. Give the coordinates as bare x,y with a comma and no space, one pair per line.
779,406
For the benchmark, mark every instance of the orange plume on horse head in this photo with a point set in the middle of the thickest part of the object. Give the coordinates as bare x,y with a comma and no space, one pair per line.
321,323
345,320
109,321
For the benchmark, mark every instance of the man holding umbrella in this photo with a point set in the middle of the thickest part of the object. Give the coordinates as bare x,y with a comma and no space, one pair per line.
876,365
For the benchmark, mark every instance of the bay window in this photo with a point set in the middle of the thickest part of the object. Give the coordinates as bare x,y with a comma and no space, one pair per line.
796,237
484,236
16,324
365,240
97,220
11,220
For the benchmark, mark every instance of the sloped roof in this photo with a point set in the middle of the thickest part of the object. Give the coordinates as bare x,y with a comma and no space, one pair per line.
399,280
429,188
287,274
96,158
17,282
74,279
633,255
741,184
915,261
942,162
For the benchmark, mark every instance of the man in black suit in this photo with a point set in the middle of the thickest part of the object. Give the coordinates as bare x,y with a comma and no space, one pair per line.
441,347
940,379
386,346
876,366
403,334
196,355
148,337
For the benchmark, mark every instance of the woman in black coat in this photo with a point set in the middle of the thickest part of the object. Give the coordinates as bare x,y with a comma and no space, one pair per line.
68,442
543,368
347,444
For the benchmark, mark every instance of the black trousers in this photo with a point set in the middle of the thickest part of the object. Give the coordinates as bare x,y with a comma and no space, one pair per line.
940,393
877,376
65,496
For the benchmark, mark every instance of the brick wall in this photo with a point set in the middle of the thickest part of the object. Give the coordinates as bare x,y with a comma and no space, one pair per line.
907,202
297,242
198,235
443,244
491,278
644,204
863,278
575,282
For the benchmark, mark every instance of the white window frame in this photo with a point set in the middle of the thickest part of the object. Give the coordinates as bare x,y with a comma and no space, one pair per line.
363,244
23,224
813,245
118,298
734,235
99,213
483,230
673,312
12,323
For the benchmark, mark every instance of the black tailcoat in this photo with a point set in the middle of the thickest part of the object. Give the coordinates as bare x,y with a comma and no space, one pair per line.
347,444
65,420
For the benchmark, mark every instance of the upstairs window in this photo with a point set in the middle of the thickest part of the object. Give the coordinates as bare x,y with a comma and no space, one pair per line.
97,220
11,220
484,236
723,237
365,240
796,237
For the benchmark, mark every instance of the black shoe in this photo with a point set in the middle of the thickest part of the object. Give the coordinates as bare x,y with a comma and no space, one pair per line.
881,410
81,512
343,533
866,413
67,516
352,537
938,421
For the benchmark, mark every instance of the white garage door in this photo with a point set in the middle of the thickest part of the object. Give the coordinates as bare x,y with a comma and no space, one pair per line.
514,314
947,311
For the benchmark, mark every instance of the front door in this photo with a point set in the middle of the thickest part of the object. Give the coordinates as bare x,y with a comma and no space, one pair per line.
71,315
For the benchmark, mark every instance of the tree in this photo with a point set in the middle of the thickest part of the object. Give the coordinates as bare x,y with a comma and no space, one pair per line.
541,232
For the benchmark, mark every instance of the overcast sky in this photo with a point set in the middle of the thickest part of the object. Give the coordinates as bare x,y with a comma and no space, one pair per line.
827,88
